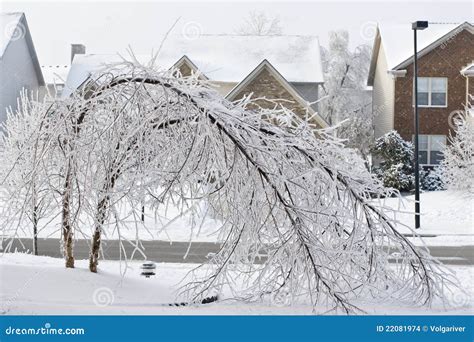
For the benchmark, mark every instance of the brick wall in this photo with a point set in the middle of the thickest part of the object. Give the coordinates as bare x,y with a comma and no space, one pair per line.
445,61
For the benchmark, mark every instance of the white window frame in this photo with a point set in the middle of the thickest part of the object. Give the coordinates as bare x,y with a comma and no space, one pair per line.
429,150
429,105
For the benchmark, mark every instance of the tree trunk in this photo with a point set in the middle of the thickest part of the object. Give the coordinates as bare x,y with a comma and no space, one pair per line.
35,230
94,256
66,221
34,219
102,211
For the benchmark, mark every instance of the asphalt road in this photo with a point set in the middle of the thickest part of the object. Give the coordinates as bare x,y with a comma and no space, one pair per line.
175,252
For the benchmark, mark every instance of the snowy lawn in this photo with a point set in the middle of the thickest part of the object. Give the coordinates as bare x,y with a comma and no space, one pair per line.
447,214
41,285
167,223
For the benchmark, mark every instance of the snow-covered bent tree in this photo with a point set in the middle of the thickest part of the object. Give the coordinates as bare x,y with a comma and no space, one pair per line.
296,206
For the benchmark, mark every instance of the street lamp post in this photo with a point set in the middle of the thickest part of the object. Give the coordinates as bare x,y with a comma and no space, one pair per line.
417,25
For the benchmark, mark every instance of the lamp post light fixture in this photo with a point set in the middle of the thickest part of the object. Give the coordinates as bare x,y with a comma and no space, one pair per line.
417,26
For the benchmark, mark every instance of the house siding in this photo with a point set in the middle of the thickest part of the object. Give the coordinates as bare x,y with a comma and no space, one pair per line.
185,70
266,85
444,61
17,72
223,88
382,96
309,92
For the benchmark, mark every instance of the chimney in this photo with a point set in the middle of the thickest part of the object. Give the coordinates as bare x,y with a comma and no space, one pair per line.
77,49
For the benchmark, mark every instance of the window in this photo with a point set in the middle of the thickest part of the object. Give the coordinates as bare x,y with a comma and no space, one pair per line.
430,149
432,91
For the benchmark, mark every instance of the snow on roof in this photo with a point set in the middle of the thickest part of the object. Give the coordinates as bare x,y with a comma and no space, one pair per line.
397,40
232,57
55,74
226,58
9,29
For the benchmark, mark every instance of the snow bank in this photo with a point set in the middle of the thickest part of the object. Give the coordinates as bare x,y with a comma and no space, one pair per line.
41,285
442,213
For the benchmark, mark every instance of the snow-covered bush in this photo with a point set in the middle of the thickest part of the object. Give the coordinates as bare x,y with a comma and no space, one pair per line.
458,164
395,169
431,179
301,201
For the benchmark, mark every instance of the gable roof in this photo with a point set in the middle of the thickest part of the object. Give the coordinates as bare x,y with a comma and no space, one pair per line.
397,42
185,60
265,64
14,27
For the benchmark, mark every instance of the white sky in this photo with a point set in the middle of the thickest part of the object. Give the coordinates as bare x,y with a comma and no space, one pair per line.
110,26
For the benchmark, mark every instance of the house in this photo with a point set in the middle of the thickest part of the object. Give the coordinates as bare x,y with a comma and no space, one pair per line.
282,68
19,66
446,53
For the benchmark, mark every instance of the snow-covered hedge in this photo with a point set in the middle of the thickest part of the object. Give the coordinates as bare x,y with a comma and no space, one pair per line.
396,167
432,179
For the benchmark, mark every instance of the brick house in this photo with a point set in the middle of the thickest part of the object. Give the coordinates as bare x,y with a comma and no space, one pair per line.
446,54
282,68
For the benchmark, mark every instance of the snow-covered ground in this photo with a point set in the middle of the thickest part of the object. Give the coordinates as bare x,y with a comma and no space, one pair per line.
447,214
167,223
41,285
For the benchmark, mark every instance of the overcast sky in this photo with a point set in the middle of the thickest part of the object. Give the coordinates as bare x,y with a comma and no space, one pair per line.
110,26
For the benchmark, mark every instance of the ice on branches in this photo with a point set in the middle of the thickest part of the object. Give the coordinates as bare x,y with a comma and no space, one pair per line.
299,223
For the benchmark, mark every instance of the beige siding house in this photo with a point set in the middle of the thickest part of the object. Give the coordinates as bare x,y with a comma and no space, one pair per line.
383,92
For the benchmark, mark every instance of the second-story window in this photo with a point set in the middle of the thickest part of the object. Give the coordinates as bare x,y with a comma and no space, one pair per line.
432,91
